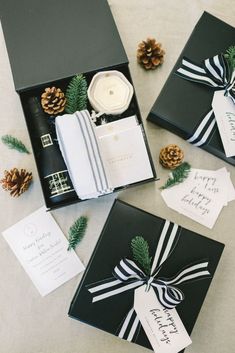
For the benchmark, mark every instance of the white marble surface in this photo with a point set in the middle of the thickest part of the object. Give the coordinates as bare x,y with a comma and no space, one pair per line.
32,324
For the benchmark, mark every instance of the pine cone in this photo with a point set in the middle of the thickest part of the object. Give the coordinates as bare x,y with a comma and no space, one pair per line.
16,181
53,100
150,54
171,156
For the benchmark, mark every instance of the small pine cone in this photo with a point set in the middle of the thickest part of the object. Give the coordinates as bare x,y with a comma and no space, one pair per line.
16,181
150,54
171,156
53,101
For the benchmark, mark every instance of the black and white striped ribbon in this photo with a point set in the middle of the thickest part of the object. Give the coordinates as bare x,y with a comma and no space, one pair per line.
214,72
128,276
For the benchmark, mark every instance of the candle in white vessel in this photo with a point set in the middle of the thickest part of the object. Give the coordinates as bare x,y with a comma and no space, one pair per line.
110,92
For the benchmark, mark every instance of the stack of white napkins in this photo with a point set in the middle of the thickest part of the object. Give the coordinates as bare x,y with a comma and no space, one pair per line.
102,158
202,195
81,152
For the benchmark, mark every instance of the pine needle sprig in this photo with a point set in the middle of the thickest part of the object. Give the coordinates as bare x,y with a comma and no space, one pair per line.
13,143
140,251
178,175
76,94
77,232
230,57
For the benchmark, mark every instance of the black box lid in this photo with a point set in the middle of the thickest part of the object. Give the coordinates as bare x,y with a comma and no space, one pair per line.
123,223
47,41
182,104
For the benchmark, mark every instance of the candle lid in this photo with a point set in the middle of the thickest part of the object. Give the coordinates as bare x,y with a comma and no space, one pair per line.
110,92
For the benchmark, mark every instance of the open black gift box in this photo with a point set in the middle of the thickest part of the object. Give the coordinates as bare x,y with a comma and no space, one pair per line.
123,224
50,43
182,104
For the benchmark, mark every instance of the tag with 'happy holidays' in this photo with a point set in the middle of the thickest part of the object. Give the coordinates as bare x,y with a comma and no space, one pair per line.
202,195
163,327
224,110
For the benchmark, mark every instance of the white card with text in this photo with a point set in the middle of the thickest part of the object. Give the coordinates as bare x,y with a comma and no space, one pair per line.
202,195
116,126
194,203
125,156
41,248
224,110
163,327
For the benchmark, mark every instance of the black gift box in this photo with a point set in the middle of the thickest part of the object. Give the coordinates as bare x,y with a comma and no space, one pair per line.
124,223
182,104
50,43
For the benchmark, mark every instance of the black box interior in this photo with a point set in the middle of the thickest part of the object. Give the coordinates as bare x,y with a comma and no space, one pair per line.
47,46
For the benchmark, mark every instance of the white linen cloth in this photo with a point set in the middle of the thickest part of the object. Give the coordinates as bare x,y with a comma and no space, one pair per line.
80,149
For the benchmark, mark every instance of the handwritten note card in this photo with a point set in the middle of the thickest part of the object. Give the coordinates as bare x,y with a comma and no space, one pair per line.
202,195
224,110
41,248
163,327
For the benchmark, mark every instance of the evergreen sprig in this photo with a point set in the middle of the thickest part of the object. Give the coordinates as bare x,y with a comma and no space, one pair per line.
13,143
178,175
140,251
230,57
76,94
77,232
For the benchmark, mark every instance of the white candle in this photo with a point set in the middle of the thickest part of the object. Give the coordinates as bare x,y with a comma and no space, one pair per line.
110,92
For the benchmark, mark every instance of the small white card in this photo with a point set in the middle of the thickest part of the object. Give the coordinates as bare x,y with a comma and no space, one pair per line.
202,195
41,248
116,126
125,157
163,327
224,110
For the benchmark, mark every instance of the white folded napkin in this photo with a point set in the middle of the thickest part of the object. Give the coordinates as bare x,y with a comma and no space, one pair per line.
80,149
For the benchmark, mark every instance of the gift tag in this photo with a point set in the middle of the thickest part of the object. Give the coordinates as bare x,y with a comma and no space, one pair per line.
224,110
202,195
163,327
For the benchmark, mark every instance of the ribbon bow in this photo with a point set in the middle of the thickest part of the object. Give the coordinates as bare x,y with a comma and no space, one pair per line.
214,72
128,276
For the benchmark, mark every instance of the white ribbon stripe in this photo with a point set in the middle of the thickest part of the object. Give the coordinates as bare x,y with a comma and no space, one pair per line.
215,73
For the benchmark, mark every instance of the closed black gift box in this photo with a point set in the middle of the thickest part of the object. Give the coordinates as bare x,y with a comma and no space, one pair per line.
182,104
50,43
123,224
